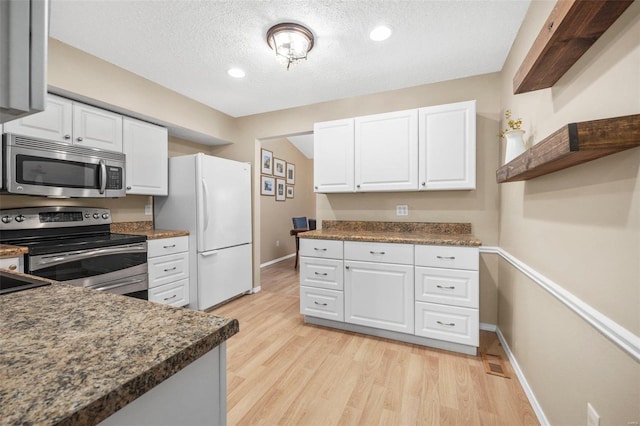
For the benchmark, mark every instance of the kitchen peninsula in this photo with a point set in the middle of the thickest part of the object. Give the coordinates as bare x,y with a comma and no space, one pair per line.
75,356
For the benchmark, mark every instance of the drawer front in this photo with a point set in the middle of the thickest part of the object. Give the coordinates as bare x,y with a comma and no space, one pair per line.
448,257
448,323
322,273
11,263
322,303
166,269
174,294
447,286
163,246
379,252
329,249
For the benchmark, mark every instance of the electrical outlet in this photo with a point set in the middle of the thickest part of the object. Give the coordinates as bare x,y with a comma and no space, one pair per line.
402,210
593,419
148,210
277,243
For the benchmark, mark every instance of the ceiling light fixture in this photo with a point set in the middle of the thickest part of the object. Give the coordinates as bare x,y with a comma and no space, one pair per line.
291,42
236,73
380,33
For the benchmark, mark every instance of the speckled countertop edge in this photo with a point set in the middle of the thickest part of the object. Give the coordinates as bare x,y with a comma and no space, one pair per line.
70,387
11,251
145,228
427,233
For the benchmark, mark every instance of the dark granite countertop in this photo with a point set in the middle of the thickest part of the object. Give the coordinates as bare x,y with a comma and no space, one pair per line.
74,356
427,233
11,251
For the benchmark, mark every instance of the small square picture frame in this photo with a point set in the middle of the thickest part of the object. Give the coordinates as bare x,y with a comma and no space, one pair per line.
266,162
289,191
291,173
280,190
279,167
267,185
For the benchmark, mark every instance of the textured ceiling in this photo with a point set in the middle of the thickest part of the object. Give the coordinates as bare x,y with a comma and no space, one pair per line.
188,45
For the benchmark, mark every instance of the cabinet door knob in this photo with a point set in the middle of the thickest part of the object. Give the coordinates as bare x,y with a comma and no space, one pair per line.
315,187
128,188
357,186
424,183
67,137
79,139
346,267
12,267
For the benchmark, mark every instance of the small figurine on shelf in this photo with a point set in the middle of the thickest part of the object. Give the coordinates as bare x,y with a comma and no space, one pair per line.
514,137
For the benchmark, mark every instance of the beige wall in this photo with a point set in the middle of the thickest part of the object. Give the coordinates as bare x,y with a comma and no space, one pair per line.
580,227
275,216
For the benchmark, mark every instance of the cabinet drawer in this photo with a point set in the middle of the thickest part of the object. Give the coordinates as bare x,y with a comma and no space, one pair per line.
330,249
448,257
323,273
11,263
448,323
174,294
165,269
322,303
163,246
379,252
447,286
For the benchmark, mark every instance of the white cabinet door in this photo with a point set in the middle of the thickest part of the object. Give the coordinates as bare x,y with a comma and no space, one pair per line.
145,146
386,151
379,295
12,264
96,128
333,156
54,123
447,146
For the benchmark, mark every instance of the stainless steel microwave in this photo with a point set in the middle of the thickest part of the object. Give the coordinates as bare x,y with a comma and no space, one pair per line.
33,166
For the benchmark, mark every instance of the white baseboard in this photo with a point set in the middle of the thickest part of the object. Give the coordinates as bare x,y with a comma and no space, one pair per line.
488,327
523,380
255,290
280,259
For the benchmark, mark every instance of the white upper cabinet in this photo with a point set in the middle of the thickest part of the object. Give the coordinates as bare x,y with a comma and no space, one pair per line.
333,156
54,123
146,148
447,146
66,121
96,128
386,151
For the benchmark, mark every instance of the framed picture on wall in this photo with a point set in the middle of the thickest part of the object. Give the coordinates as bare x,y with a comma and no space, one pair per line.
280,190
279,167
267,185
291,174
289,191
267,162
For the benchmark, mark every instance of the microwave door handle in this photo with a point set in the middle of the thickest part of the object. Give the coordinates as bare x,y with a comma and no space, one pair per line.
103,176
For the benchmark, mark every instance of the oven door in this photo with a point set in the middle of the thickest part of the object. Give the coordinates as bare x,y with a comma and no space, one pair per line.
118,269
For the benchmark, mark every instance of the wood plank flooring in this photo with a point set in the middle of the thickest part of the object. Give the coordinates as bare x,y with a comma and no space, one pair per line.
283,371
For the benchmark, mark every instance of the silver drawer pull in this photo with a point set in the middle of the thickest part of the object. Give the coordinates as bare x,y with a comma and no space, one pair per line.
446,257
171,246
322,274
446,287
320,304
319,249
172,297
376,252
450,324
170,269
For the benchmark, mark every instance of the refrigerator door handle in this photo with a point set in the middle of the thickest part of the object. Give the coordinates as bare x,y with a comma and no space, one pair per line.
208,253
205,203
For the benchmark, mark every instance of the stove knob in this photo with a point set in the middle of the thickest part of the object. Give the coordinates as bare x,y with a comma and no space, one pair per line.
105,215
20,218
96,216
6,219
87,215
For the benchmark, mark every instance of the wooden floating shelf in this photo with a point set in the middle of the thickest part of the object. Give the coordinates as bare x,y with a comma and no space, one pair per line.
573,144
572,27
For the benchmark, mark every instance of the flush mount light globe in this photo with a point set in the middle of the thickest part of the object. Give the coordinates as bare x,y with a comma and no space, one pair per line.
291,42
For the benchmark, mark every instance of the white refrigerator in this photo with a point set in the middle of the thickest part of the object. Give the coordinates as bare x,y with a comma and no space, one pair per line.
211,198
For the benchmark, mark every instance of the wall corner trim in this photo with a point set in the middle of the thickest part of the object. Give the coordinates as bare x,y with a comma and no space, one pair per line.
623,338
523,381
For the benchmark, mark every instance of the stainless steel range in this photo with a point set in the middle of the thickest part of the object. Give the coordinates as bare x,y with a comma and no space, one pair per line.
74,245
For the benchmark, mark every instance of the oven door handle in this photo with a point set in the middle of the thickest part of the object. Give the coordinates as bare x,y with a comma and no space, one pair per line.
41,262
118,284
103,176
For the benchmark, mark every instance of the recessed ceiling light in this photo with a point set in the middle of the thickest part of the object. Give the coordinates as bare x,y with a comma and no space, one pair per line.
236,73
380,33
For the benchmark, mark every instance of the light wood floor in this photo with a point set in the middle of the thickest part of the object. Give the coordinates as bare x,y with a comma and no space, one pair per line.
282,371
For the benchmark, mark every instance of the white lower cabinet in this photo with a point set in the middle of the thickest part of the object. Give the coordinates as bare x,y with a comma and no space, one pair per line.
416,293
379,295
12,263
168,267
